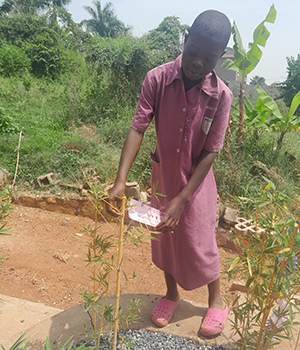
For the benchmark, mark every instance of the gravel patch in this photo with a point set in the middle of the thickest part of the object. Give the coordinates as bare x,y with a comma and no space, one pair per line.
144,340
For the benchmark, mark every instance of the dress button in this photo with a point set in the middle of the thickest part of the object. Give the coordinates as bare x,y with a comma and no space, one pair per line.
183,109
178,150
181,130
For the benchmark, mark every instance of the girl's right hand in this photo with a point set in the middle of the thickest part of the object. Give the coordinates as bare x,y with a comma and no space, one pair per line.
113,202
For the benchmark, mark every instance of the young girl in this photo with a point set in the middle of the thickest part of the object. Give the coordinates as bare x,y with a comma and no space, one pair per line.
191,106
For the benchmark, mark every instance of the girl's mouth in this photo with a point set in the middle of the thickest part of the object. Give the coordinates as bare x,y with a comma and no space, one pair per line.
197,74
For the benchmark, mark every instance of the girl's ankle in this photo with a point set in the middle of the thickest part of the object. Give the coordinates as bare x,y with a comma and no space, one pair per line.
172,296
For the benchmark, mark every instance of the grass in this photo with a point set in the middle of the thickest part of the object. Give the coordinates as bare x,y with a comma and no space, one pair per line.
51,141
59,135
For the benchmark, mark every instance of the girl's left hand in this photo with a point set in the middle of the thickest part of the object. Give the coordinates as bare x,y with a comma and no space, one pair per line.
172,212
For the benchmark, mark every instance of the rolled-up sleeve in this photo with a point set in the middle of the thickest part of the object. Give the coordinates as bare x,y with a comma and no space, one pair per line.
145,109
215,137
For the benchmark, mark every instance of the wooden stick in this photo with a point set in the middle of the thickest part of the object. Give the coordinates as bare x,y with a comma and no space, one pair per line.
13,184
117,298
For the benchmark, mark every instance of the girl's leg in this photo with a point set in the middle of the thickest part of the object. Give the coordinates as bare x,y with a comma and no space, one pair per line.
172,291
214,295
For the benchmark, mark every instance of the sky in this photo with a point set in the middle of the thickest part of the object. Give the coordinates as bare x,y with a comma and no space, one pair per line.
144,15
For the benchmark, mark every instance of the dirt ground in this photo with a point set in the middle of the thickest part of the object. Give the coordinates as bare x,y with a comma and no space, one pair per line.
46,255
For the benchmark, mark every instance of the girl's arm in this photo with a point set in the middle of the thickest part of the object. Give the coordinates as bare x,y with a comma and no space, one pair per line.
130,150
174,208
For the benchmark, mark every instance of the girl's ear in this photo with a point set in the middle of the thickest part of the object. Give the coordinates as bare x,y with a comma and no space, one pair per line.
223,54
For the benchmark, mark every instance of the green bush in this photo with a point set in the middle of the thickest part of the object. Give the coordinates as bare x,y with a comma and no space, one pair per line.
118,69
45,54
13,60
7,124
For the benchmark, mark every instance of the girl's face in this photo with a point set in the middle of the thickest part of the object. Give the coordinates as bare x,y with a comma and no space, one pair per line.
200,55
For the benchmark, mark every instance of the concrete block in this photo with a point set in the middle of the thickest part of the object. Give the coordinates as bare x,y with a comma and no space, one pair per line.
230,216
48,179
143,198
242,226
132,190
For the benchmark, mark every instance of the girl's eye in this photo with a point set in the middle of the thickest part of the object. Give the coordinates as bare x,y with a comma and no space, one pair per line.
193,53
209,60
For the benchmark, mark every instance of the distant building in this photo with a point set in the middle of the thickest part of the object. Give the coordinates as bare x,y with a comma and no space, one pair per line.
225,74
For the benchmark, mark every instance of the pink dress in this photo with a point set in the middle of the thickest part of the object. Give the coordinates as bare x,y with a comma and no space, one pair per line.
185,125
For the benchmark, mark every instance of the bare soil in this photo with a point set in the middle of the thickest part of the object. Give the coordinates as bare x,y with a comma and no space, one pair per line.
46,255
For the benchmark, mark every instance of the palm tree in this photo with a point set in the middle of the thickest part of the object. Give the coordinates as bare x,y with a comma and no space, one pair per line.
104,22
30,6
24,6
257,81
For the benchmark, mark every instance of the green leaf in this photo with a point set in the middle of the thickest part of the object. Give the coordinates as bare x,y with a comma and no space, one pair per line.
18,343
271,16
267,103
261,35
253,58
294,105
234,263
245,62
248,106
126,278
239,51
230,65
291,314
270,182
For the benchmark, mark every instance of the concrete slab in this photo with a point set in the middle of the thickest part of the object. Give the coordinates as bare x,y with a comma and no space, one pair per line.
59,325
18,315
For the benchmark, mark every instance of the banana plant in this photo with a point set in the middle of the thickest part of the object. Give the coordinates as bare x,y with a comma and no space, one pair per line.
266,116
277,121
246,61
254,119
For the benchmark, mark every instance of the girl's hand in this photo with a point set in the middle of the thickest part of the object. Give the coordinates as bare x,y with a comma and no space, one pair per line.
172,212
113,202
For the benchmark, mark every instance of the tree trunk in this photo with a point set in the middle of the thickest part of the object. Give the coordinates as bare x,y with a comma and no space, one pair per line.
279,141
242,112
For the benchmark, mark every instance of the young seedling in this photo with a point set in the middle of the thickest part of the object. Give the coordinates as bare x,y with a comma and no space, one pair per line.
105,255
268,267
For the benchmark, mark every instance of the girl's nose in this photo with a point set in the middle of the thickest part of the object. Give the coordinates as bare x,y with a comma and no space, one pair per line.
198,63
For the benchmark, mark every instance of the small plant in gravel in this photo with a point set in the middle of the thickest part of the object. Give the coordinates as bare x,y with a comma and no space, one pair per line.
105,257
268,267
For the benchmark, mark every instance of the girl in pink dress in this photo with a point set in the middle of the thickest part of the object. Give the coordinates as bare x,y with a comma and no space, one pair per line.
191,108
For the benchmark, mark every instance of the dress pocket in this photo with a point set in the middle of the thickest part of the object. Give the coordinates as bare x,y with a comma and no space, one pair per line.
154,157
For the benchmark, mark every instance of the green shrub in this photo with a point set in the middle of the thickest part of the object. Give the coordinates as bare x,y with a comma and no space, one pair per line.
13,60
45,54
7,125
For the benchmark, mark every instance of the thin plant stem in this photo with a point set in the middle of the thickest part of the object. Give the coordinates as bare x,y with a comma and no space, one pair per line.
269,302
105,300
266,311
297,341
117,297
18,156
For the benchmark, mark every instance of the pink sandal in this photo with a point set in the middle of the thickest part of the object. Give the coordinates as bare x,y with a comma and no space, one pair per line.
163,312
214,321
